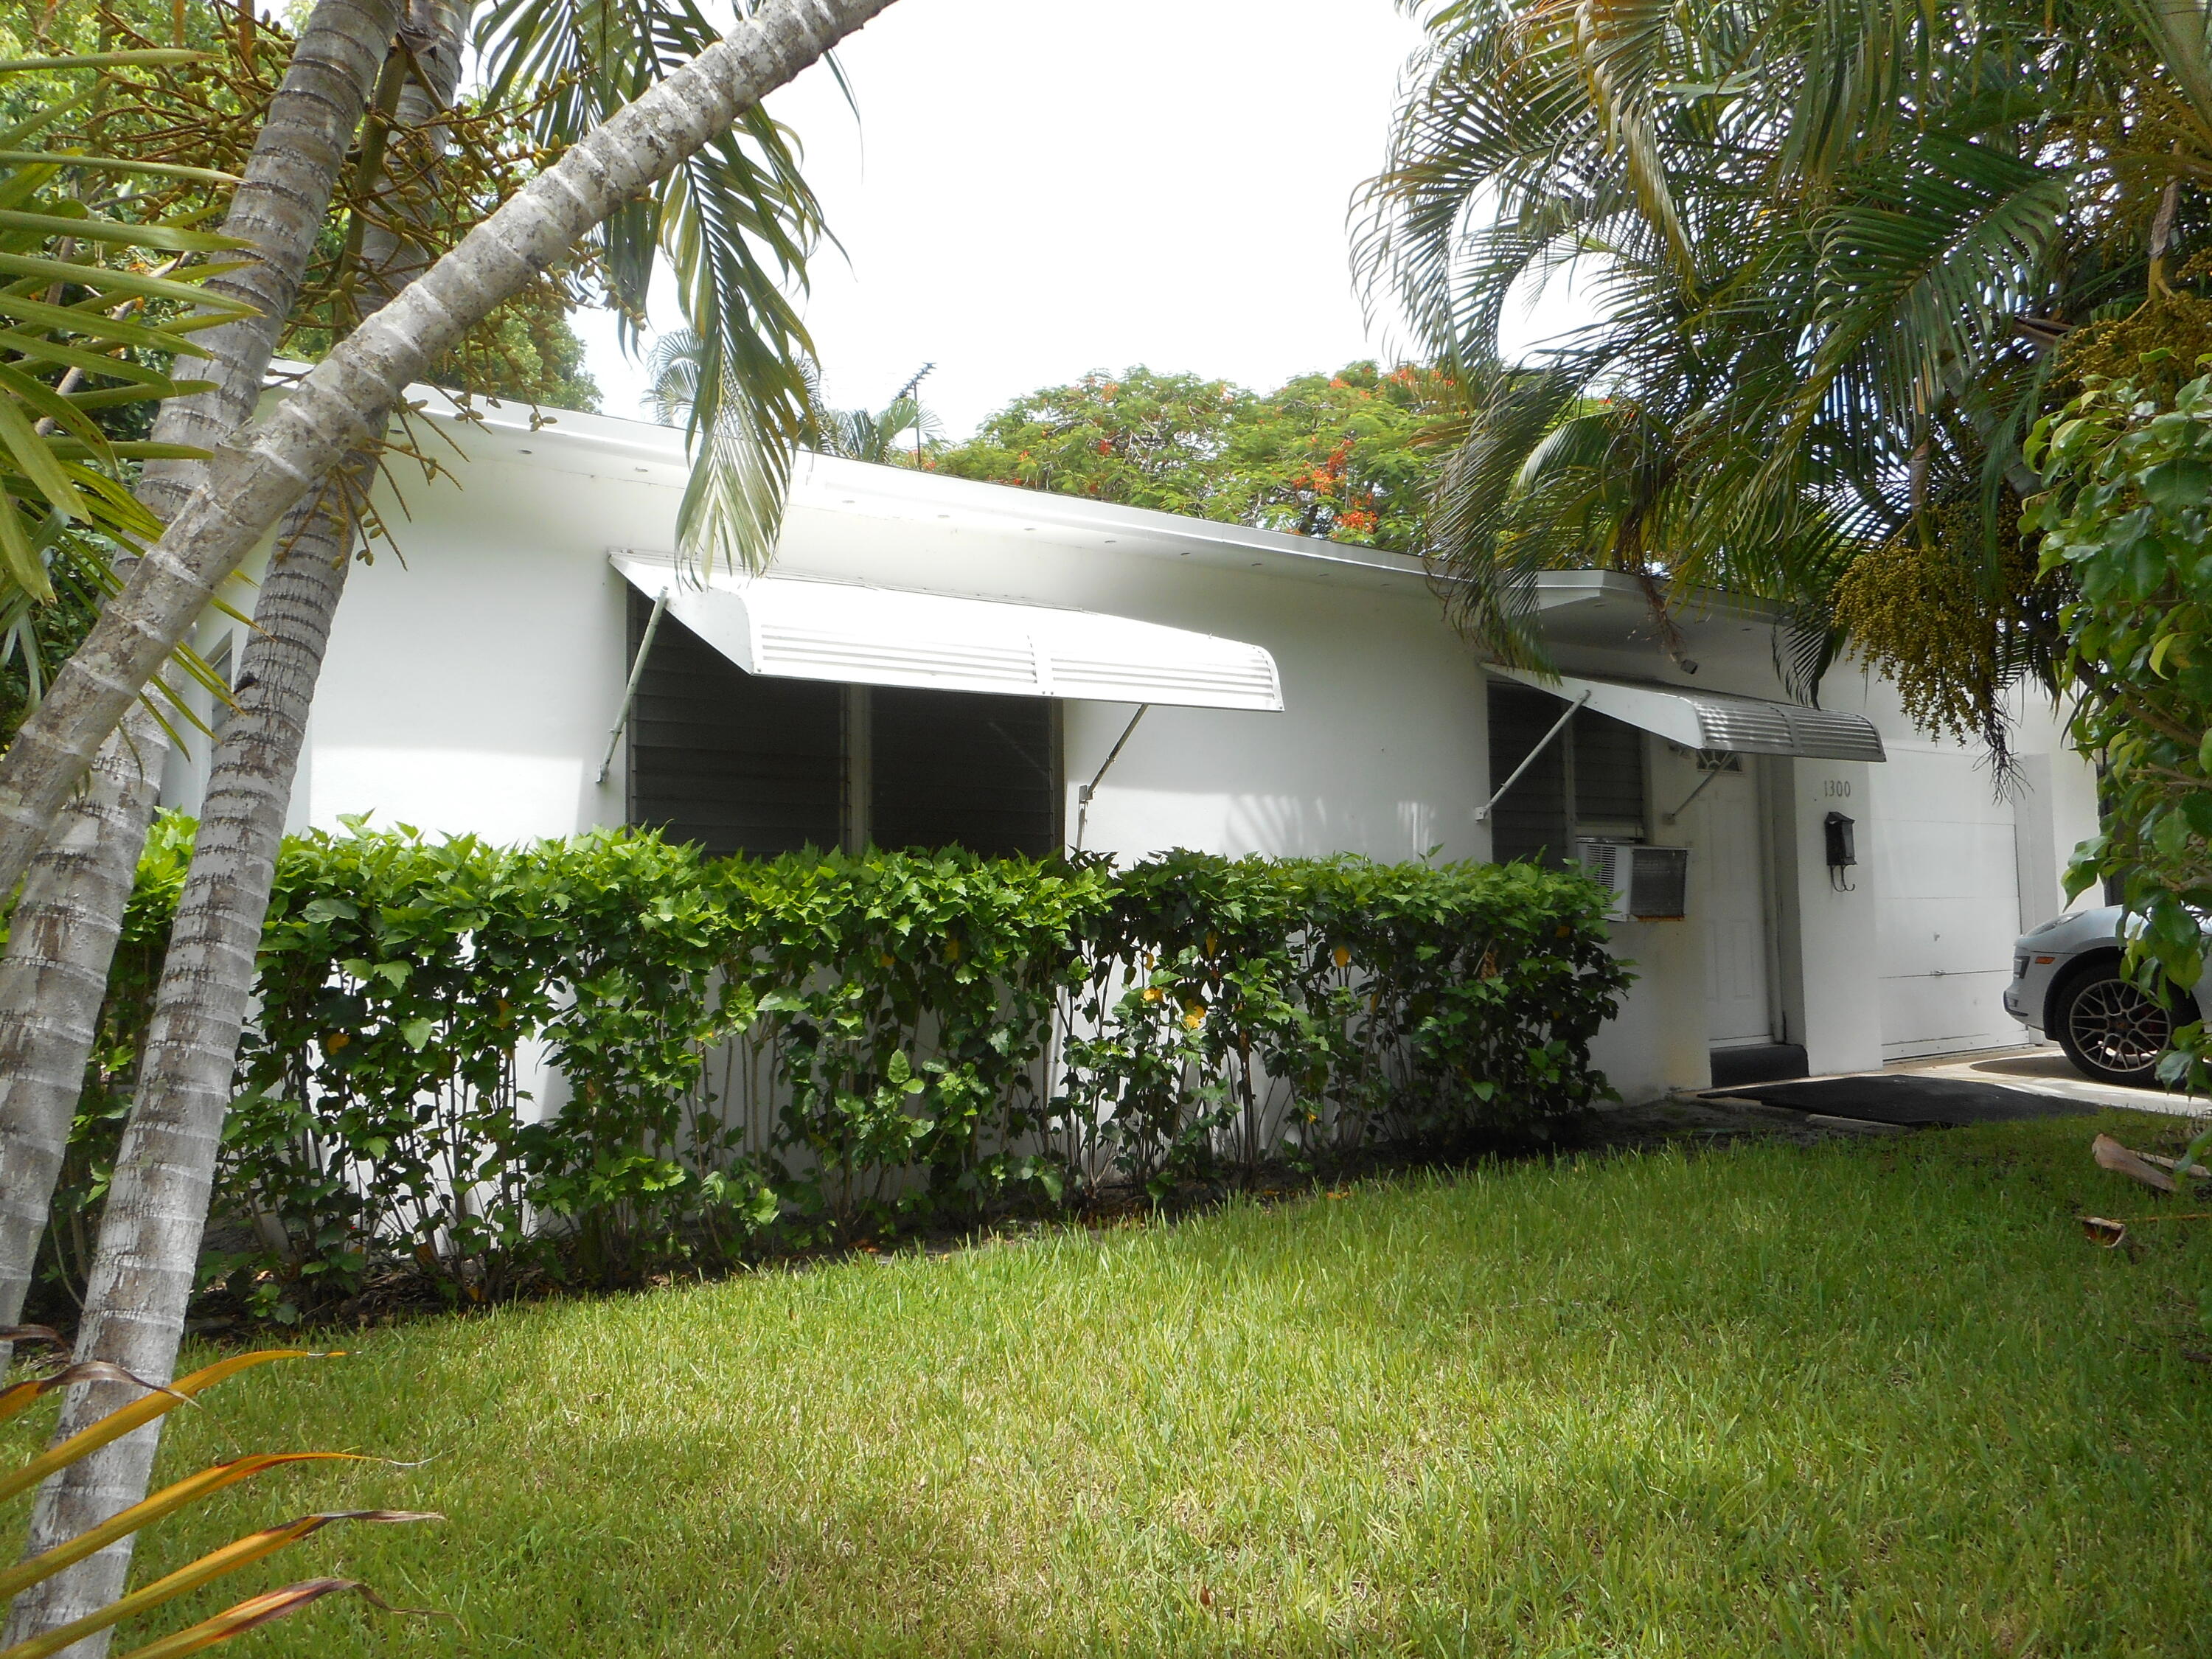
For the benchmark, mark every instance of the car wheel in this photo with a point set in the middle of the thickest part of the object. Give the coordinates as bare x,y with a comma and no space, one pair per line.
2112,1029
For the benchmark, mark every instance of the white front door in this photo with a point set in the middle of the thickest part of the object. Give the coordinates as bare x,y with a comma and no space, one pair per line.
1730,856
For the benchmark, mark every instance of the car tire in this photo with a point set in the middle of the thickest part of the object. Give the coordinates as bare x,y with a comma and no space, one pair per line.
2111,1028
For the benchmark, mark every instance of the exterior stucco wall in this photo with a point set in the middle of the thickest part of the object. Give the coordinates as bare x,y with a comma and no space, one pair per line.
473,686
1957,860
1954,861
475,672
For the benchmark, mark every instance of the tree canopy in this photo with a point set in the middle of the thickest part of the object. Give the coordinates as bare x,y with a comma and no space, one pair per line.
1904,312
2128,521
1844,259
1329,455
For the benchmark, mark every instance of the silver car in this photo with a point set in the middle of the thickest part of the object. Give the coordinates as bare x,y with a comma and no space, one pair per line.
2069,983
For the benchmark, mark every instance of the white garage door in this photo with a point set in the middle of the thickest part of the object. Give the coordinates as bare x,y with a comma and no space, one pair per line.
1948,903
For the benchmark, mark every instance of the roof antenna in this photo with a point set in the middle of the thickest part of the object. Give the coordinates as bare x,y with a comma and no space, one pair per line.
912,389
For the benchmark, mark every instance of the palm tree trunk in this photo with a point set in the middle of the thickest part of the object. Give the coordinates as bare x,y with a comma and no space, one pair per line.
145,1266
61,940
142,1273
278,210
64,925
338,404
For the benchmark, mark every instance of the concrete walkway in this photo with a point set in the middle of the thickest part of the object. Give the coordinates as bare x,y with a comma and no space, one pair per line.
2044,1069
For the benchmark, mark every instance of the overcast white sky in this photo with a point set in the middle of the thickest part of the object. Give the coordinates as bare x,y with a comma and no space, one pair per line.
1034,188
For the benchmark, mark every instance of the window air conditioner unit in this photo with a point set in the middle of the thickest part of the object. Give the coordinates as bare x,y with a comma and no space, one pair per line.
1648,884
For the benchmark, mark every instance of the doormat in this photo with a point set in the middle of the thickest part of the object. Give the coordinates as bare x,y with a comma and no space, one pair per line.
1909,1101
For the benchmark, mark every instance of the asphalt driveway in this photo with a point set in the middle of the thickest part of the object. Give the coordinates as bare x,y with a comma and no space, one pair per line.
2044,1069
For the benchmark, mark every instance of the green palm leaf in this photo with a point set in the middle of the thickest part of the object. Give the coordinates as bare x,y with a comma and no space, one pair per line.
1812,225
735,226
102,297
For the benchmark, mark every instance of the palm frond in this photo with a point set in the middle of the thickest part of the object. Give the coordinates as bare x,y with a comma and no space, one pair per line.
1811,226
735,226
84,291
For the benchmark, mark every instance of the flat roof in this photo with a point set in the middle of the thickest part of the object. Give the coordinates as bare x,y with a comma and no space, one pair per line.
1600,607
1576,607
613,446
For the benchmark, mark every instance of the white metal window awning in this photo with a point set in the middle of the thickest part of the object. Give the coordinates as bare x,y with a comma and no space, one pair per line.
1719,721
796,629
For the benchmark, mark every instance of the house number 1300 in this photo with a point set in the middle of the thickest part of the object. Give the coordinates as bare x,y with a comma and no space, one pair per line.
1836,787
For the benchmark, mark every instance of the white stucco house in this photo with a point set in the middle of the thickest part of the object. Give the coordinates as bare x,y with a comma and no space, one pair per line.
932,661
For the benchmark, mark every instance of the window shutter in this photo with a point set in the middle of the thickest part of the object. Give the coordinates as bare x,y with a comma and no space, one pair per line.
1608,776
734,761
739,763
962,769
1532,818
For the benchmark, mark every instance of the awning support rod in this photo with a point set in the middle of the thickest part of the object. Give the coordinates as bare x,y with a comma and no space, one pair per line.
629,691
1704,783
1482,812
1082,795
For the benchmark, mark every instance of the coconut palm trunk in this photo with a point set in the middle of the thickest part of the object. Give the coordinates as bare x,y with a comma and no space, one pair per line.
337,407
63,928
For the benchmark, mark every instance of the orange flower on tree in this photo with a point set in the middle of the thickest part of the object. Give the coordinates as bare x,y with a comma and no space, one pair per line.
1290,461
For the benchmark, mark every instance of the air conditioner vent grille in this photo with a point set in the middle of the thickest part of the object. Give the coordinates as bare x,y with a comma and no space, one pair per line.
1648,884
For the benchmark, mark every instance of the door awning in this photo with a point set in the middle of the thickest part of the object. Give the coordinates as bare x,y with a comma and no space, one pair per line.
796,629
1719,721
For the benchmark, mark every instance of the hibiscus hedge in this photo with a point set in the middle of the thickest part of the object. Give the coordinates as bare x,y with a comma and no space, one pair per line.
593,1056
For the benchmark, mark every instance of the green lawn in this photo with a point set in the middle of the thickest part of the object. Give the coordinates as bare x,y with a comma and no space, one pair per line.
1879,1398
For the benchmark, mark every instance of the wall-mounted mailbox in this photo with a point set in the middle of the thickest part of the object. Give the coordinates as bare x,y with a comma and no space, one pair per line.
1843,850
1843,845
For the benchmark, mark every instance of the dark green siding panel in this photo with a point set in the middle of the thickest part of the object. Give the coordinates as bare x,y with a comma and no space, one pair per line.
1608,769
745,763
1602,756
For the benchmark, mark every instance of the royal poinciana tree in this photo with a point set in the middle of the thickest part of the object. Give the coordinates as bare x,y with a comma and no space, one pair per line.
156,1209
1339,455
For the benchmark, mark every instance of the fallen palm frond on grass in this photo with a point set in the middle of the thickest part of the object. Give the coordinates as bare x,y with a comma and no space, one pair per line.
2153,1169
2103,1229
157,1401
2149,1169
